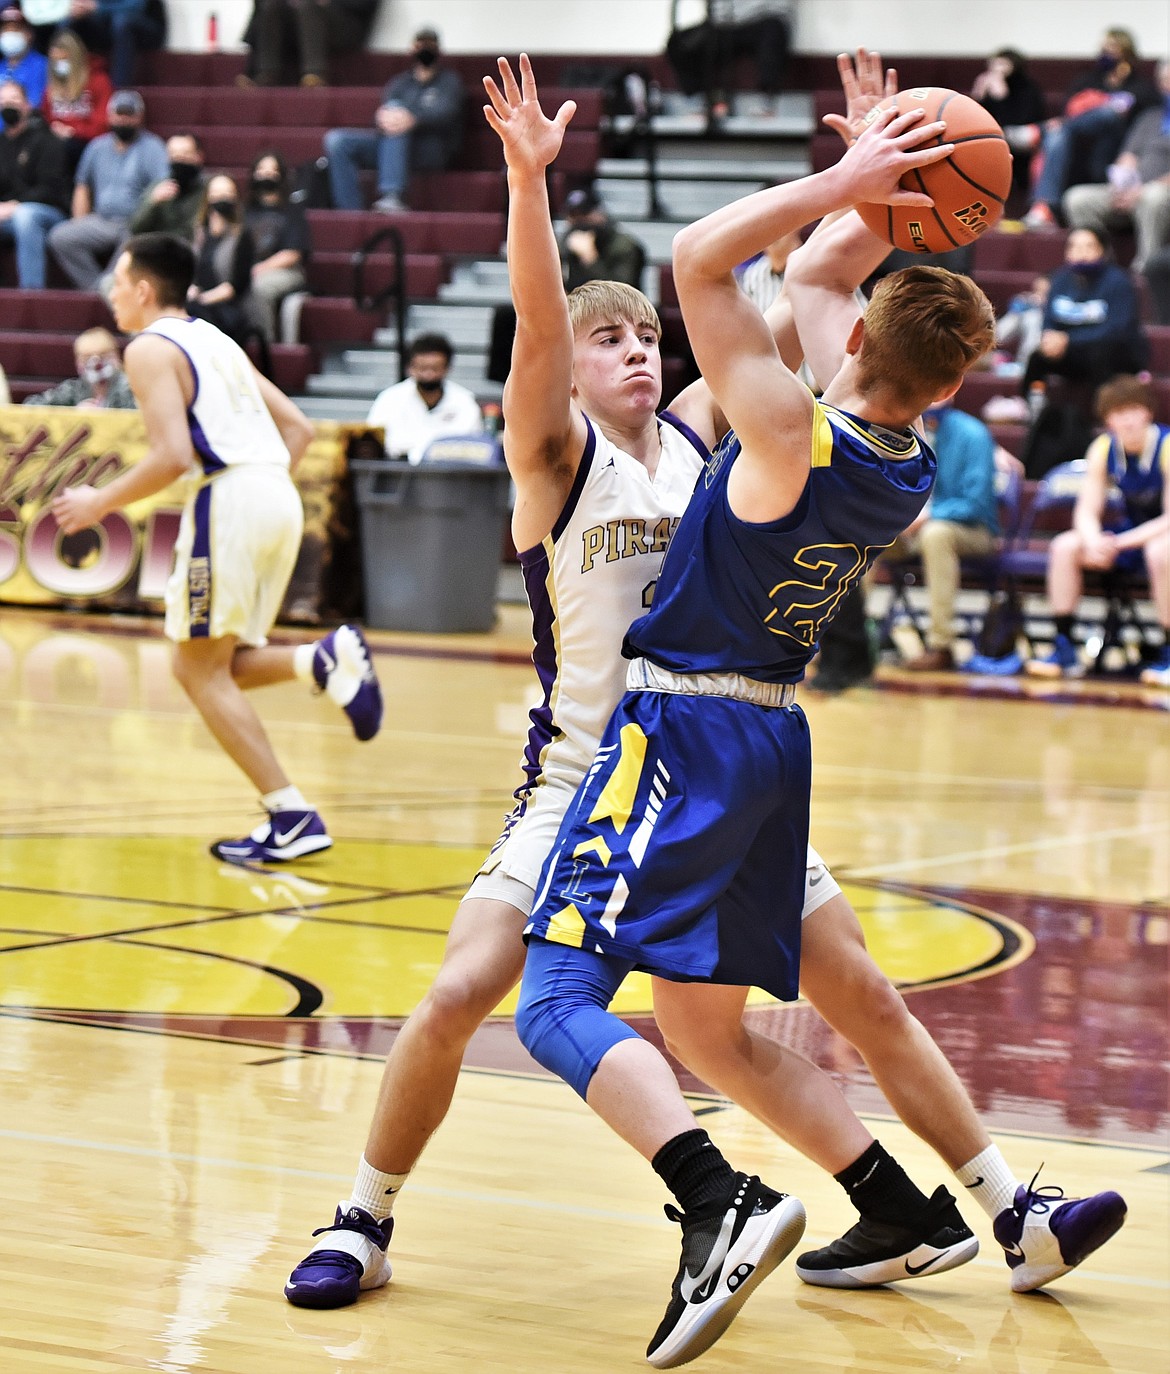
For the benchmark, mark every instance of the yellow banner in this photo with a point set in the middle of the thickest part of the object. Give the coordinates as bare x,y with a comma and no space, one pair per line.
123,563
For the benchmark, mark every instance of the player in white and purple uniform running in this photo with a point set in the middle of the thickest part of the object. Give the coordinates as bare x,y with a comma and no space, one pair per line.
213,422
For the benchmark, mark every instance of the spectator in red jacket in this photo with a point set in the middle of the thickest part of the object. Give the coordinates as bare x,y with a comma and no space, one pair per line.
76,95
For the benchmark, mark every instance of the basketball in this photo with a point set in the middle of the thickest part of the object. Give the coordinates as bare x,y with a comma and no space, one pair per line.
968,188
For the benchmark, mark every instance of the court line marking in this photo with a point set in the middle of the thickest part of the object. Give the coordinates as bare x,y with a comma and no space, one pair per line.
463,1195
1078,838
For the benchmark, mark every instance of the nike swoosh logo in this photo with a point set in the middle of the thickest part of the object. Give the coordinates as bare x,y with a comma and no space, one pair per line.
692,1284
289,835
812,882
978,1183
915,1269
1014,1250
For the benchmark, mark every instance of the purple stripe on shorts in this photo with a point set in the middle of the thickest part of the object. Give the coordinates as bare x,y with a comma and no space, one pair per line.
199,569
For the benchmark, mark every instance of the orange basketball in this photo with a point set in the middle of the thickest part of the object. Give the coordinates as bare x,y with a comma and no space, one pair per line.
968,188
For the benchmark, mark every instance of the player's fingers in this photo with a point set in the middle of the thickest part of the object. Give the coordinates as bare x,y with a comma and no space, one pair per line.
511,89
891,81
494,120
846,73
910,198
565,113
923,157
527,80
839,125
495,96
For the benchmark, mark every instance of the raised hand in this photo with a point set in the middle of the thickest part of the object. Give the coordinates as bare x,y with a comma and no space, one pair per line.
531,140
887,149
865,86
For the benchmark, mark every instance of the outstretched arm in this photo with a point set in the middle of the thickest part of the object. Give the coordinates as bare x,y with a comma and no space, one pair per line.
544,434
769,409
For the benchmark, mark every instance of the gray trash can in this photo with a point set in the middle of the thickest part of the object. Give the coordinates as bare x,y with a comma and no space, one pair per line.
432,539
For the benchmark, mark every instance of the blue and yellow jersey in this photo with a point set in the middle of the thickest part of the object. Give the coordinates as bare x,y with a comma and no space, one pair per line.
1140,478
753,599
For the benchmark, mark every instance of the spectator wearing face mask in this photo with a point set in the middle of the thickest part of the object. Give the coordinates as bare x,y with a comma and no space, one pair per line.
34,184
223,261
173,205
77,96
113,174
100,383
418,126
1092,330
280,236
19,60
427,405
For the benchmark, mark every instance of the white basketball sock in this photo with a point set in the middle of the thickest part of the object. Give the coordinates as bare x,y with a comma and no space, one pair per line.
989,1181
374,1191
303,663
285,799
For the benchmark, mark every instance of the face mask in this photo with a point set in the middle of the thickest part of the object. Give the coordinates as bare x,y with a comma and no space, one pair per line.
13,44
184,175
11,115
96,370
61,70
264,186
429,388
124,133
1090,269
426,57
226,208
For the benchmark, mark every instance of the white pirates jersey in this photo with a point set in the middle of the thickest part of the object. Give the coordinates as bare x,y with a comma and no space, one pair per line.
588,581
229,421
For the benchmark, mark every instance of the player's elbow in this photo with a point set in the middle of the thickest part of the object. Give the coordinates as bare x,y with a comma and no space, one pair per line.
686,252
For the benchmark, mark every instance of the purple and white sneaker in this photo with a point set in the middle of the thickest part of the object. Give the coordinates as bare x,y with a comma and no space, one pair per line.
283,836
1044,1236
342,667
350,1260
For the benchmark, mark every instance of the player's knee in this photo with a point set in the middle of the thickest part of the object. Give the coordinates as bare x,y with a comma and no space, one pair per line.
456,1004
874,1000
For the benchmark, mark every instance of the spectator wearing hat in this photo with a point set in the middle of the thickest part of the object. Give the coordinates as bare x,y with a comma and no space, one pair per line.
34,183
77,96
593,248
311,31
19,60
417,127
114,171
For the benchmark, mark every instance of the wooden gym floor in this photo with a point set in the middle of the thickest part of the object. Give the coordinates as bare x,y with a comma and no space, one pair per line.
189,1052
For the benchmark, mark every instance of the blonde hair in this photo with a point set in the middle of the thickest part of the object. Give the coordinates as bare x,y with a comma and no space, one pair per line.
98,337
602,301
72,85
924,328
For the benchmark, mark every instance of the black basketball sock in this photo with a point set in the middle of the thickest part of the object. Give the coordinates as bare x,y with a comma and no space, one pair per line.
694,1171
1064,625
881,1189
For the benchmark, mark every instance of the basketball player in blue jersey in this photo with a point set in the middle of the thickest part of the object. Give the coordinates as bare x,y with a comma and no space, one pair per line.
587,568
215,423
683,854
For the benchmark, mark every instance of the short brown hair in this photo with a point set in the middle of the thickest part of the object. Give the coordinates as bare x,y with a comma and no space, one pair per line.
924,328
1120,392
611,300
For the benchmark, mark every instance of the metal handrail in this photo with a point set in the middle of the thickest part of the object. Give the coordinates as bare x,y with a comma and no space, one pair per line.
396,289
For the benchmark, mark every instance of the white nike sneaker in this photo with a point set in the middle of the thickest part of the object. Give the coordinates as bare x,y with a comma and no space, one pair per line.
726,1253
1044,1234
342,668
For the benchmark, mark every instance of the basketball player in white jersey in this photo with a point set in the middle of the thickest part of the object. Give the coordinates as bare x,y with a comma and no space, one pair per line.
601,480
214,422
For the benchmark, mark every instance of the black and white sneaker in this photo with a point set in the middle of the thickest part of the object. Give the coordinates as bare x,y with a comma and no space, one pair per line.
871,1253
726,1252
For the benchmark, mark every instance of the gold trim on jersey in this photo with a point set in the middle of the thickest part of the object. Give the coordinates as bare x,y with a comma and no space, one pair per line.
822,438
912,450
